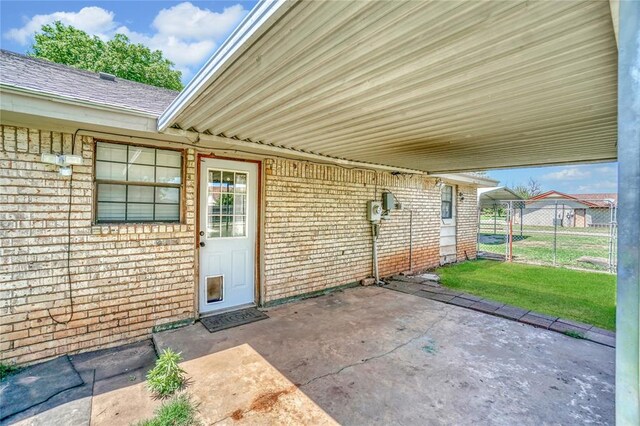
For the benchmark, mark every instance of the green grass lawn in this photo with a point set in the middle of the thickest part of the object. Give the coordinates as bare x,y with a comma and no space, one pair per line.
581,296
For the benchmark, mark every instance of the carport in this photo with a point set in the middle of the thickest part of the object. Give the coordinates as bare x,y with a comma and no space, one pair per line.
438,87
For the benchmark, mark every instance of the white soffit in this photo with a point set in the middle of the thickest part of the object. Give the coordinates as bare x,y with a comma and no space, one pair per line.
438,86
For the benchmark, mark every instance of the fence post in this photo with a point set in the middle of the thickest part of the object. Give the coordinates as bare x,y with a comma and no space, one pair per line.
510,231
555,233
521,221
505,229
612,224
495,219
609,260
479,230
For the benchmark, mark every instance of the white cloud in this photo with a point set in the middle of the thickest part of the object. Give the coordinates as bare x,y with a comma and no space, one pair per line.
186,34
600,186
94,20
187,21
570,173
605,170
184,54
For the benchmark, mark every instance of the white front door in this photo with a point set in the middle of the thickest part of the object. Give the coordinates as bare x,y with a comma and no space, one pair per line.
228,217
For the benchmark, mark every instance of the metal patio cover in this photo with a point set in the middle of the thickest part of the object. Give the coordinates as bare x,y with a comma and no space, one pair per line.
435,86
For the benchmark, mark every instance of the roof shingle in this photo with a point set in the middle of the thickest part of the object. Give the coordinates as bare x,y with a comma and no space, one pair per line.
61,80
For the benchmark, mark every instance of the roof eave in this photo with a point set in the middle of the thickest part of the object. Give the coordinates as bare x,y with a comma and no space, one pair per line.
8,88
251,28
33,106
468,179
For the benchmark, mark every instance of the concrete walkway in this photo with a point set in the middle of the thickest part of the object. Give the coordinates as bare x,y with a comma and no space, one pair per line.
374,356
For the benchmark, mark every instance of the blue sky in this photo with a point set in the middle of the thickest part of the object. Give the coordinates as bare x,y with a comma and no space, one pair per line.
572,179
189,32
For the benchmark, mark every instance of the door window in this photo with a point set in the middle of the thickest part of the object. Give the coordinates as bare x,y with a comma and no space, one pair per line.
446,210
226,204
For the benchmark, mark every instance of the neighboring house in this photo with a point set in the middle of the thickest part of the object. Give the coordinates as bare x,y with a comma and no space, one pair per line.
148,230
568,210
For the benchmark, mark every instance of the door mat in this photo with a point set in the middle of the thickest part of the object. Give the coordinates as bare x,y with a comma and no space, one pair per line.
232,319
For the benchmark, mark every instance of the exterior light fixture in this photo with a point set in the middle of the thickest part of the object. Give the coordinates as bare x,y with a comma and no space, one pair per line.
64,161
460,196
71,160
50,159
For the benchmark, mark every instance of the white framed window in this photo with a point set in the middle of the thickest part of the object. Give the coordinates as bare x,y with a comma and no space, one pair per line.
446,209
137,184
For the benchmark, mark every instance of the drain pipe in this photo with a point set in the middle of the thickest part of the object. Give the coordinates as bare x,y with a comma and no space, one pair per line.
375,227
411,240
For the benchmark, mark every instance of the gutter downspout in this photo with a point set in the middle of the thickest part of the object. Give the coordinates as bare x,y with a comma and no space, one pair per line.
375,228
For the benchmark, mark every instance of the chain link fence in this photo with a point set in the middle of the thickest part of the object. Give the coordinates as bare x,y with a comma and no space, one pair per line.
577,234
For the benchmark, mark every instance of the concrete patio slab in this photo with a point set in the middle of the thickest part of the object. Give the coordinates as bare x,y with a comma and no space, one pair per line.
267,396
117,402
120,395
600,338
372,356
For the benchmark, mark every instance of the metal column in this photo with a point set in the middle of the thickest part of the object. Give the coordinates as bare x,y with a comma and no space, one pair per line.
628,297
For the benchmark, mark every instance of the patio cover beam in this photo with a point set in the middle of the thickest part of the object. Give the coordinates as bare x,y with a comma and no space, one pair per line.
628,297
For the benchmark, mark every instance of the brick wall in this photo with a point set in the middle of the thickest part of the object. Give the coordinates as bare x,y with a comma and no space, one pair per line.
126,279
317,235
467,224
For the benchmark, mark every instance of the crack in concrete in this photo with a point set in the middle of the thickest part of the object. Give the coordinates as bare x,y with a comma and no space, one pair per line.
364,361
221,420
413,339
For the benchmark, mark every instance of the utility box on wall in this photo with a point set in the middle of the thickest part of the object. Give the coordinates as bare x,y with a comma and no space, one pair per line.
374,211
388,201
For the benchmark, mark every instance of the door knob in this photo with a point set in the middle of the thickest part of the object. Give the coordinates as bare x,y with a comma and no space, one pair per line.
202,244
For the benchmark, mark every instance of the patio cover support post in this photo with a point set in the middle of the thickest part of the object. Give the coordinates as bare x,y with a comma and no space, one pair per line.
628,293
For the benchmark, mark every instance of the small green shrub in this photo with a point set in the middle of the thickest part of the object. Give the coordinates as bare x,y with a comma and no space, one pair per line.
179,411
7,370
574,334
166,377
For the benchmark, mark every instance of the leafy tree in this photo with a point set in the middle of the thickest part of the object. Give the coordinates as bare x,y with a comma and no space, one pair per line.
67,45
531,189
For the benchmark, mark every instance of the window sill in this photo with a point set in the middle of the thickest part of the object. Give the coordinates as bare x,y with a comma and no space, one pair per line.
138,228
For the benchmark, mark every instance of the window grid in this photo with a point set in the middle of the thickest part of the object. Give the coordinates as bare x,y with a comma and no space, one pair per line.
218,223
127,184
446,208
